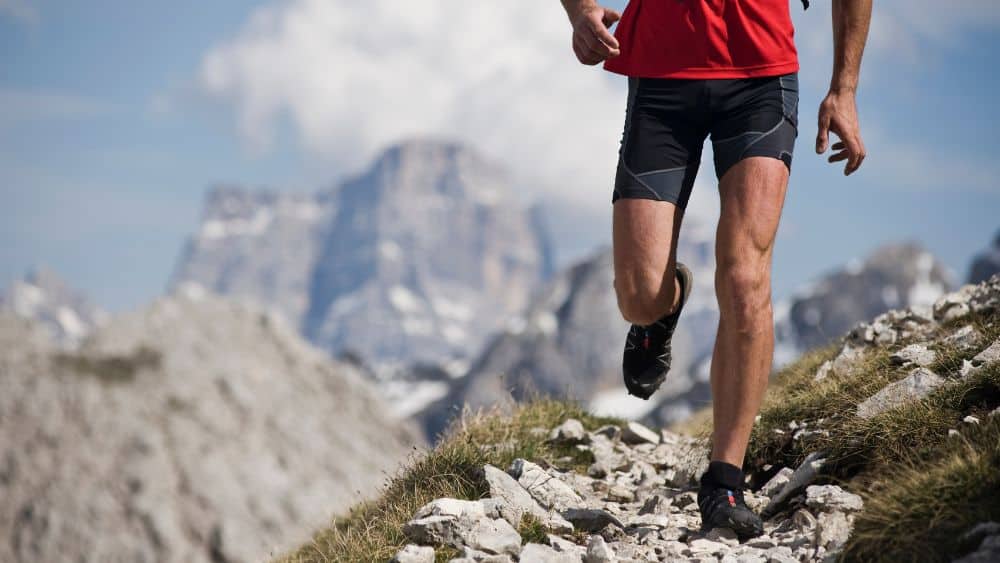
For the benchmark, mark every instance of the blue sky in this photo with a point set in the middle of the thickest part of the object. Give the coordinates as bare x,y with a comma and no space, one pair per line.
115,116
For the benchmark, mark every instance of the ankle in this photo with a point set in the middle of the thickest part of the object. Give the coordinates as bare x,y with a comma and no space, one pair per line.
722,474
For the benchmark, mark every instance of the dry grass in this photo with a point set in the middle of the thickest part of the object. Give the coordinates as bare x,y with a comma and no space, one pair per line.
922,487
373,531
921,510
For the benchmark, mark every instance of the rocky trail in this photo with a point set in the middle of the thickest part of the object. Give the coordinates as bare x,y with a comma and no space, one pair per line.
636,502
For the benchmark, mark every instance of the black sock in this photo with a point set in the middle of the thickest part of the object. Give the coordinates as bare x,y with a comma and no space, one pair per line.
723,474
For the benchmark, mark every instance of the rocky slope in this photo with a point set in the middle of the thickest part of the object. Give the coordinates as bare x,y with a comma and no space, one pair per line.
65,314
986,263
416,260
194,430
859,451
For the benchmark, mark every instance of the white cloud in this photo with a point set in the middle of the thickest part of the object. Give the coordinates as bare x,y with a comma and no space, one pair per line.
351,77
911,32
23,10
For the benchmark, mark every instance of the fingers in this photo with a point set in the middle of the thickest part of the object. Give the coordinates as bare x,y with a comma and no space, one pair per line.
610,17
856,152
592,42
584,53
823,134
601,41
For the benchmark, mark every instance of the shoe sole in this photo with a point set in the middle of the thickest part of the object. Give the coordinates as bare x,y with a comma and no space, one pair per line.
744,529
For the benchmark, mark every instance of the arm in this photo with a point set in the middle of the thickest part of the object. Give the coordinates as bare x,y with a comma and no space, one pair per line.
838,112
592,42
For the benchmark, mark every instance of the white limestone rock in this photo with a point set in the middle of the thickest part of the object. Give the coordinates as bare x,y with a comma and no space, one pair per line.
414,554
831,498
802,477
833,529
569,432
917,385
776,483
917,354
598,551
514,501
536,552
635,433
550,492
461,523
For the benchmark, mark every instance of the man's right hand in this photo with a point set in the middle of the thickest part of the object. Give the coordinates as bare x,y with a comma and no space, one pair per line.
592,42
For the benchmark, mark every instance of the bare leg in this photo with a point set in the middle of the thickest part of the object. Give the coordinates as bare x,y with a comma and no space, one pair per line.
645,255
752,194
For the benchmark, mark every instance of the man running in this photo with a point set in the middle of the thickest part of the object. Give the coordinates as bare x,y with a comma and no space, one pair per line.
728,69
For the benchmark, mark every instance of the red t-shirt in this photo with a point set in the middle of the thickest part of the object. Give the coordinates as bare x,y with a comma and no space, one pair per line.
702,39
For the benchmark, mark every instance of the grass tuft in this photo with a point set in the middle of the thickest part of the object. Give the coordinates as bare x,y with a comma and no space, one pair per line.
532,530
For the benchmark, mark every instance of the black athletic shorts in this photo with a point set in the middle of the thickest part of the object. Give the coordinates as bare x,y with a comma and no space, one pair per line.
668,119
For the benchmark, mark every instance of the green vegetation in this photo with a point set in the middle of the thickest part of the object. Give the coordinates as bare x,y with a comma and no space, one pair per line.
111,369
373,531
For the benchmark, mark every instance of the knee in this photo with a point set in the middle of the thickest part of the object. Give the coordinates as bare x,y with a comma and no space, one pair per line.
744,289
643,299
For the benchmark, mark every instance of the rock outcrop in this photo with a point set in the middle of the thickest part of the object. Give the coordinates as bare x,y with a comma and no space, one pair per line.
416,260
194,430
63,313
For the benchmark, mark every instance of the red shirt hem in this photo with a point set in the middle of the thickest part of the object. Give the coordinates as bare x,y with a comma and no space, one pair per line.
774,69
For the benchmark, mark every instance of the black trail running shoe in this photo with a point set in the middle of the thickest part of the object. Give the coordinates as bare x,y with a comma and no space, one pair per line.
647,348
722,507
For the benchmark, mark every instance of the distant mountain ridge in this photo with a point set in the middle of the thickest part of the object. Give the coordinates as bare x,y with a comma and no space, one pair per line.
418,259
986,263
893,276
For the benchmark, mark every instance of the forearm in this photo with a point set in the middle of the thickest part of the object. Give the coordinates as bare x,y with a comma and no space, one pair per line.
851,19
576,7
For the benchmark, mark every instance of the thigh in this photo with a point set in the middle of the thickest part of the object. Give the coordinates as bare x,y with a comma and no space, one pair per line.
645,250
752,194
666,123
754,117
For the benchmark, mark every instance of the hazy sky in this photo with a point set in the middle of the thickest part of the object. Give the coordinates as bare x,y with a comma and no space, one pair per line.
115,116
